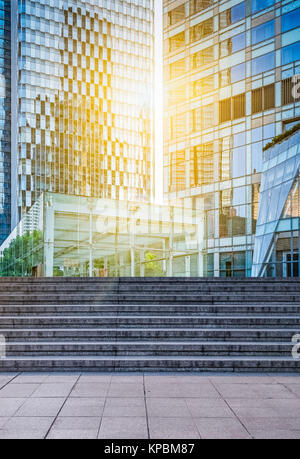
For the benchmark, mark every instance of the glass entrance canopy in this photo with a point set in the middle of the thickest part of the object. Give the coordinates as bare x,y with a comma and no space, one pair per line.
81,236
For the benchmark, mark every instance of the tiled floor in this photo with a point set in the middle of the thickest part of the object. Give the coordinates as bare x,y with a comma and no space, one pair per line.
156,406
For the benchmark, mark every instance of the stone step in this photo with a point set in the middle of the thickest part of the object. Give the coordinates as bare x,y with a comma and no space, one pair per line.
150,309
59,282
90,321
149,334
200,348
147,299
170,288
152,324
142,363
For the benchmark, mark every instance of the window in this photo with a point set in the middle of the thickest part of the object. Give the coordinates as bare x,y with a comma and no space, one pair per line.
202,30
176,15
178,125
177,95
263,98
233,108
258,5
209,258
203,57
197,119
225,110
290,20
208,116
198,5
232,75
263,63
263,32
239,106
177,68
287,91
232,15
233,212
257,100
269,96
177,171
203,164
176,42
203,86
238,73
225,148
203,118
291,53
238,163
232,45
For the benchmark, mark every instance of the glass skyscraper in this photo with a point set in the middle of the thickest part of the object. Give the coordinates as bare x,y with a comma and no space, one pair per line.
228,68
82,81
5,105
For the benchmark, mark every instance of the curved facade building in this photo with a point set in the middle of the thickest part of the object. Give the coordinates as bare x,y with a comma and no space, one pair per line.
276,249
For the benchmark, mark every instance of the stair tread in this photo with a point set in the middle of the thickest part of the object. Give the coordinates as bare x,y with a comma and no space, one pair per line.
150,343
192,358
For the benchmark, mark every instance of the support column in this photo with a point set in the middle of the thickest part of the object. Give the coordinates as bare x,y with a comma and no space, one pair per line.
48,236
91,244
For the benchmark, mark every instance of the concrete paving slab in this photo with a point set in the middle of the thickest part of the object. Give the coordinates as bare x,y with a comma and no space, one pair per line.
123,427
83,407
172,428
40,407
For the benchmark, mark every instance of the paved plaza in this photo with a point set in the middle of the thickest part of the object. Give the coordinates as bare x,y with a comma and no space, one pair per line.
155,406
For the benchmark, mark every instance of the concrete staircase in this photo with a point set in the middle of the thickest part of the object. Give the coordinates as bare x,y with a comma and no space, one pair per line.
147,324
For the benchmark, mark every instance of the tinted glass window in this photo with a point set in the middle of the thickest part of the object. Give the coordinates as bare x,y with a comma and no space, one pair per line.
263,32
258,5
291,53
290,20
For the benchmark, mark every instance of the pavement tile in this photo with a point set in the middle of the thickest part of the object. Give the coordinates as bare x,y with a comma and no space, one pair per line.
123,427
127,378
167,408
209,408
254,391
40,407
295,388
243,379
287,378
124,411
53,390
9,406
33,378
95,378
172,428
205,390
221,428
75,428
123,401
62,377
83,407
128,389
90,390
276,434
18,390
265,407
26,428
275,423
164,390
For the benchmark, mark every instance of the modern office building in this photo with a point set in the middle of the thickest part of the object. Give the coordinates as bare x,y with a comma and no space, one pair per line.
82,81
5,118
228,70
